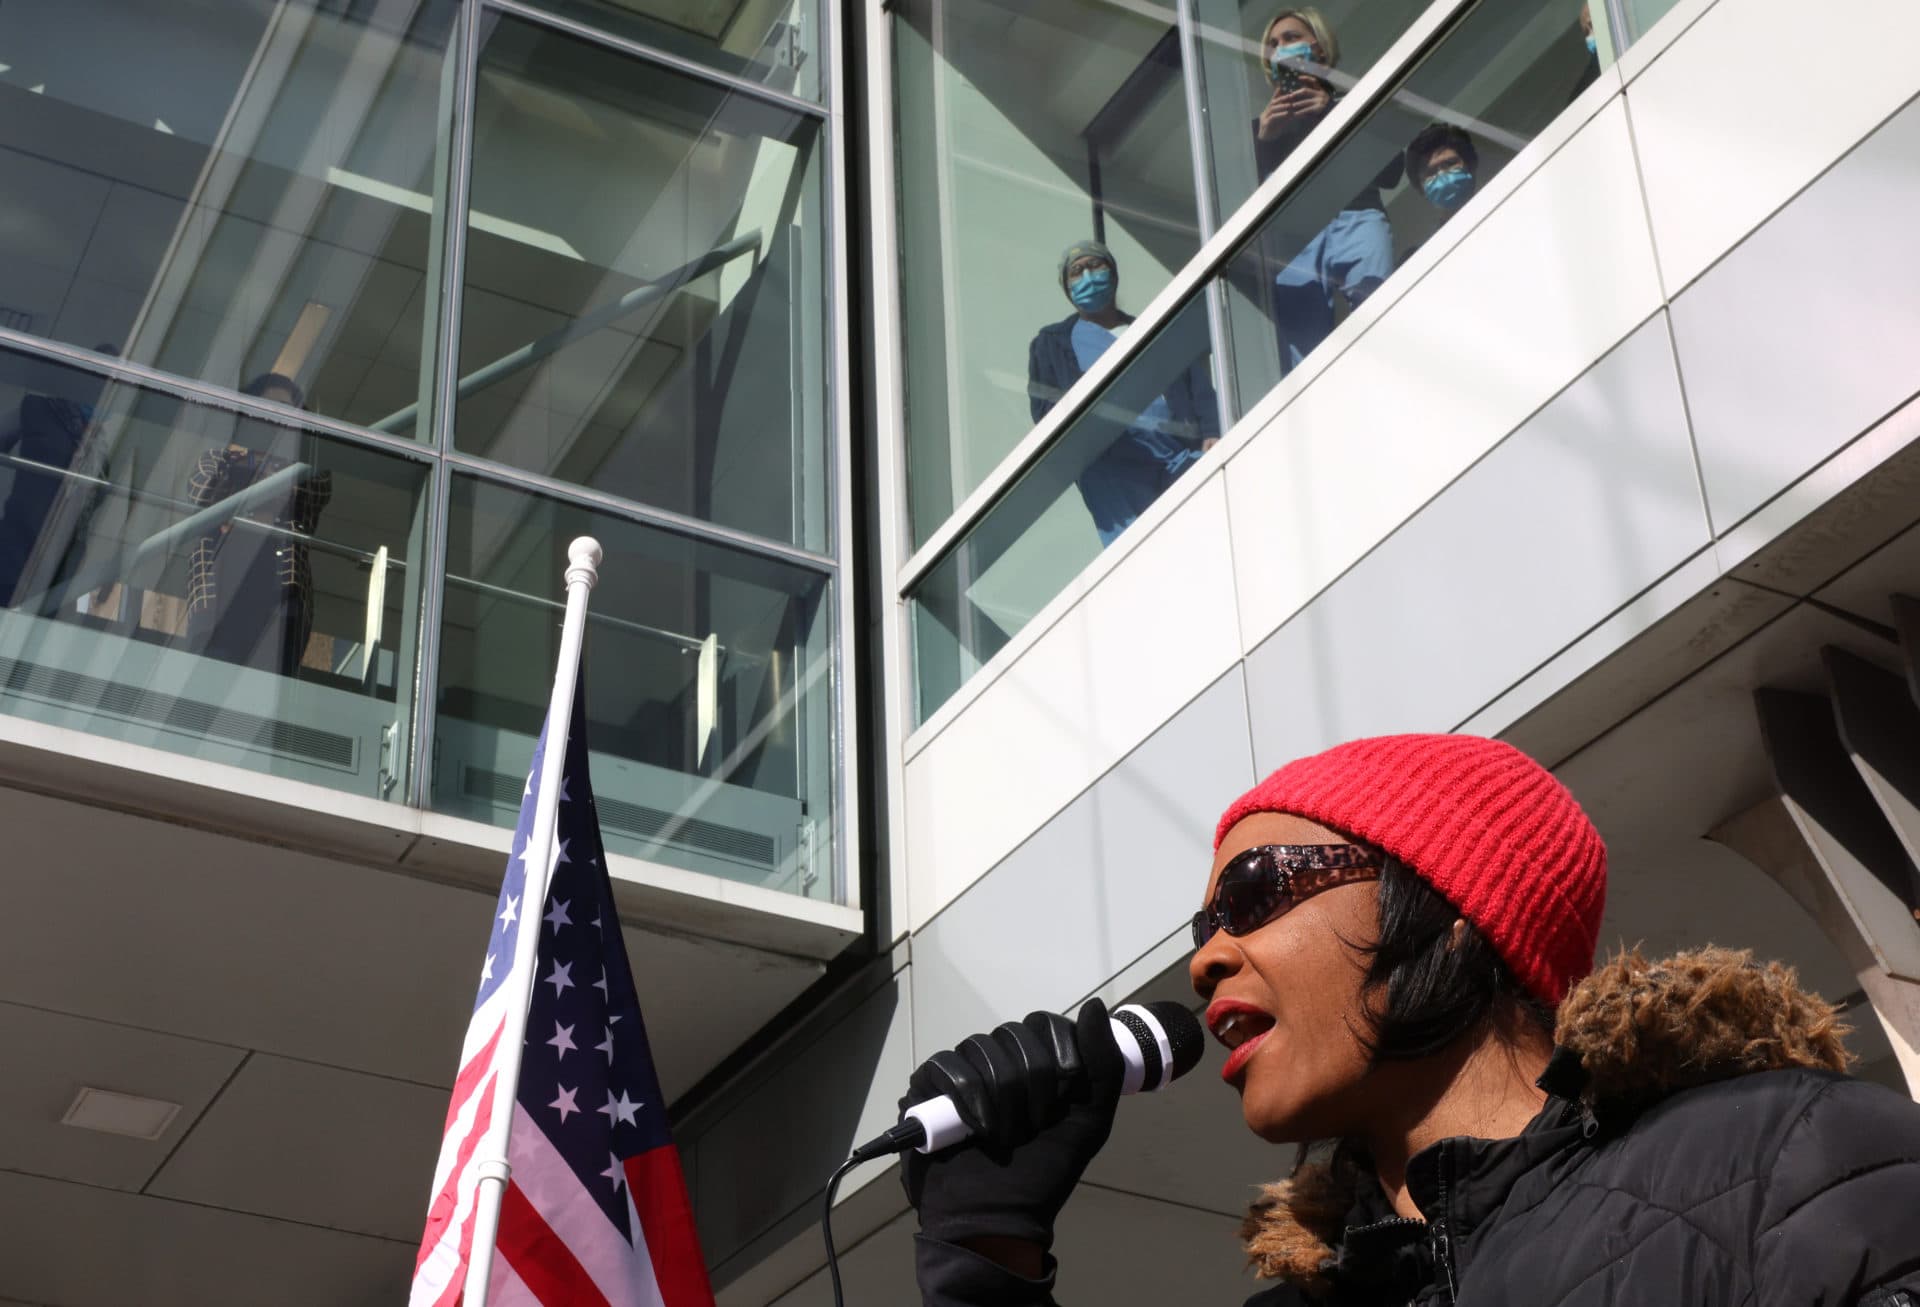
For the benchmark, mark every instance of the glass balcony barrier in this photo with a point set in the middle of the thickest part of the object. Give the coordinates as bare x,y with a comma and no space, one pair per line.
206,582
1022,130
709,683
1482,91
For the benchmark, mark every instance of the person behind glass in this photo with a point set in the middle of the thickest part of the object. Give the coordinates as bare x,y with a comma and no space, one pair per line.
1395,945
250,589
1351,255
40,545
1442,162
1162,441
1590,70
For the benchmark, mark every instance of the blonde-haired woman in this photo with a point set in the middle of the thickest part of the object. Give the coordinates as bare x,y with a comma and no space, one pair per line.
1353,253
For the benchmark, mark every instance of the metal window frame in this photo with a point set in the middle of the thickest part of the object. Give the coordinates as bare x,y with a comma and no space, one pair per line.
829,115
207,393
1192,279
679,63
434,448
453,266
886,373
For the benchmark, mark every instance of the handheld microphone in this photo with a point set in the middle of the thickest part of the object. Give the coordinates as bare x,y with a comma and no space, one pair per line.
1159,1042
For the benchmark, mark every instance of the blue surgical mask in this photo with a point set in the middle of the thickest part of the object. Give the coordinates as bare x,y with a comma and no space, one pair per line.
1298,52
1093,290
1448,190
1593,44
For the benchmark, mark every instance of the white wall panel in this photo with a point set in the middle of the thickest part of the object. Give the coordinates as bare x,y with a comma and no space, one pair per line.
1744,110
1551,281
1148,638
1809,332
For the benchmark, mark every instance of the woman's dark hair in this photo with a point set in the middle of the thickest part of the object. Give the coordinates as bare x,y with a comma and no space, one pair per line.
1429,988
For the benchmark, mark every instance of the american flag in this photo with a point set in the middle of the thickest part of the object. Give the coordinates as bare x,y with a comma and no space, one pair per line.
596,1210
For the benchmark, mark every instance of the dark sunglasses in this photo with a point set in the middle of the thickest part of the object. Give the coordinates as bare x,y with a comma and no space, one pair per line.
1265,882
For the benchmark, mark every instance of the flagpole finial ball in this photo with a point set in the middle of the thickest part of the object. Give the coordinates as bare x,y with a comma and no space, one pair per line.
583,559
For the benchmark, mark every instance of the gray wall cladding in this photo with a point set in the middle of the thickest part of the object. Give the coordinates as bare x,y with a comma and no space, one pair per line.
1108,878
1808,332
1588,503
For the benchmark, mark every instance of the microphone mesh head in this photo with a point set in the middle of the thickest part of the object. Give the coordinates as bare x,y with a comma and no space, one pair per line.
1184,1034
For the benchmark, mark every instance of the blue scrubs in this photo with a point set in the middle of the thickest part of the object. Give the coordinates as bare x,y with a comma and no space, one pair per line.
1353,254
1120,484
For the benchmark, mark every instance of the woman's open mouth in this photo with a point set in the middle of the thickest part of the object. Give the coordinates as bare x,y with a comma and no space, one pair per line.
1242,1028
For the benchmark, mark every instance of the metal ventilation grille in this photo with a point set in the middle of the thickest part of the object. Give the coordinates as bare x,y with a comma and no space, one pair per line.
207,720
638,820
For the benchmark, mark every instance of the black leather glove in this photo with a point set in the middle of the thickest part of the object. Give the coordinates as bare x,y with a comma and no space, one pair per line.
1039,1096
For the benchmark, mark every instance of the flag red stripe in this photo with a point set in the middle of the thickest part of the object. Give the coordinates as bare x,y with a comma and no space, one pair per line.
660,1196
471,1075
440,1213
538,1256
458,1284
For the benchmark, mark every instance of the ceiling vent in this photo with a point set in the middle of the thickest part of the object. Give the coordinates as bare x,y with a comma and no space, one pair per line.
120,1114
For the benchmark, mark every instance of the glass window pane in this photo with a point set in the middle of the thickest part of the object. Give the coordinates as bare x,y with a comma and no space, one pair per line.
227,189
778,43
709,688
1274,71
1023,129
1149,426
648,317
190,579
1418,158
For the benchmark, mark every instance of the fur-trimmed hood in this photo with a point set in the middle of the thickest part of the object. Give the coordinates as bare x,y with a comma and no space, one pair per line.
1640,1031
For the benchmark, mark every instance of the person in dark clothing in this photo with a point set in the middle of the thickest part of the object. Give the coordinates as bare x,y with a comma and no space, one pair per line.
52,432
250,591
1162,440
1589,71
1397,946
1349,257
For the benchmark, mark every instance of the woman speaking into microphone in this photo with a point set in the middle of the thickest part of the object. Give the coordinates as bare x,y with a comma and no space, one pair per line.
1396,943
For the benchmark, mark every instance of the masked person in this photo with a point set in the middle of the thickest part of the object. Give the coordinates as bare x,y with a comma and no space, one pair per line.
1590,70
1352,254
1443,163
1162,440
1396,942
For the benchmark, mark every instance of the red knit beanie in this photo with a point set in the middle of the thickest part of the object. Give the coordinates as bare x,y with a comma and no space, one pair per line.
1481,822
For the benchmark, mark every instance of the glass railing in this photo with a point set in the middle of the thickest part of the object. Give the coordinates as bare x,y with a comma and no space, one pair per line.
708,680
1149,426
1400,170
202,581
1023,131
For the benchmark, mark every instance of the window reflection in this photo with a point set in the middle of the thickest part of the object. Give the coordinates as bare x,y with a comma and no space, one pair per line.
203,581
1148,428
226,189
1022,128
1415,161
649,319
708,681
777,43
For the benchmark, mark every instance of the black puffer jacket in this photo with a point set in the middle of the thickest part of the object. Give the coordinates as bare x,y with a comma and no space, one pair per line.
1699,1147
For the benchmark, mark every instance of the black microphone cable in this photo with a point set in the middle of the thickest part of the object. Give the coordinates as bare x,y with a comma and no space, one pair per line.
826,1226
908,1134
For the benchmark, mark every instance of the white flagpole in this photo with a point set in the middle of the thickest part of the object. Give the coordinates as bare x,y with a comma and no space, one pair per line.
583,557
